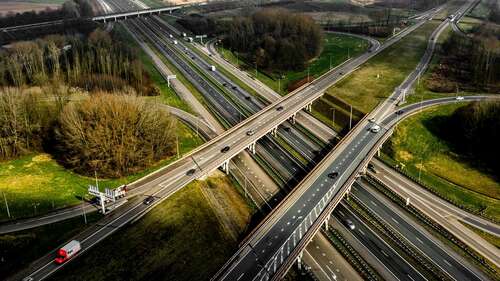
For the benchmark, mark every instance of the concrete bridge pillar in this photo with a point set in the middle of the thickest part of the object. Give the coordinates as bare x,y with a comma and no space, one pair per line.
104,20
325,223
274,131
299,260
251,147
225,167
293,118
309,107
115,19
378,151
363,171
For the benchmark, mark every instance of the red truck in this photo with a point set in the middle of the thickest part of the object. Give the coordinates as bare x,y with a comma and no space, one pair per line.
68,251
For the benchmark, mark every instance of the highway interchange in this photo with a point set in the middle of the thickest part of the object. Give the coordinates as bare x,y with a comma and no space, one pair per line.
300,209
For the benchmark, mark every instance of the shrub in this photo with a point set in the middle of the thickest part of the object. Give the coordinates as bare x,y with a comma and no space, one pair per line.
115,135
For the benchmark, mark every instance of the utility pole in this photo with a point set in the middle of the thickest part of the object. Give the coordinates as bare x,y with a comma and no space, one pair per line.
333,116
177,145
84,214
350,119
6,204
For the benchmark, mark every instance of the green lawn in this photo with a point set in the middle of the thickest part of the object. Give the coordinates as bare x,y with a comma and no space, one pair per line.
20,248
456,178
337,49
180,239
37,184
378,78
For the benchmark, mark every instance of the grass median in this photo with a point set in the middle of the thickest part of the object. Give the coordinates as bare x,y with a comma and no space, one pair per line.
376,79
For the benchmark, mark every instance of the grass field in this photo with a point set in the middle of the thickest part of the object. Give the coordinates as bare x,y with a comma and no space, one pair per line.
183,238
18,249
378,78
37,184
449,174
336,50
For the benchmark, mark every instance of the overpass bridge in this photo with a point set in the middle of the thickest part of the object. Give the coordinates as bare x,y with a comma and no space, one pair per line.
102,18
136,14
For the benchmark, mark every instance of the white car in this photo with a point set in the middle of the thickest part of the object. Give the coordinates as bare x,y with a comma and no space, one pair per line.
375,129
459,98
372,120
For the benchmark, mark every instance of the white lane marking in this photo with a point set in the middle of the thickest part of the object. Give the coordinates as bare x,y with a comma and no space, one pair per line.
393,219
449,264
419,240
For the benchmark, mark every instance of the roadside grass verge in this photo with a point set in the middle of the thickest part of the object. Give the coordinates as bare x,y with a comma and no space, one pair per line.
456,178
494,240
337,49
20,248
36,184
182,238
378,78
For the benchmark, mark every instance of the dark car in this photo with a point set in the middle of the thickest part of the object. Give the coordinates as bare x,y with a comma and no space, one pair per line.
234,87
248,97
287,129
224,84
190,172
149,200
225,149
333,175
399,112
279,108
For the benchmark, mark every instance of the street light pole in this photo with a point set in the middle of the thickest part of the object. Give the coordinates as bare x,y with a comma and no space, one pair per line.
333,116
350,119
6,204
84,214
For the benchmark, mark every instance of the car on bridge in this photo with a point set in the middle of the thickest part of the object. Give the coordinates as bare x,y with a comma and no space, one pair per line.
190,172
333,175
250,133
225,149
375,129
279,108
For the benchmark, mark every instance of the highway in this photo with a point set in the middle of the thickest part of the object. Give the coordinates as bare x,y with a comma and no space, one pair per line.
209,157
345,161
394,263
442,212
446,260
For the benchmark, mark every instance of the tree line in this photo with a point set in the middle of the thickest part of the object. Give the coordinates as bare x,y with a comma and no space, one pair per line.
96,62
114,134
469,63
275,39
69,9
475,129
